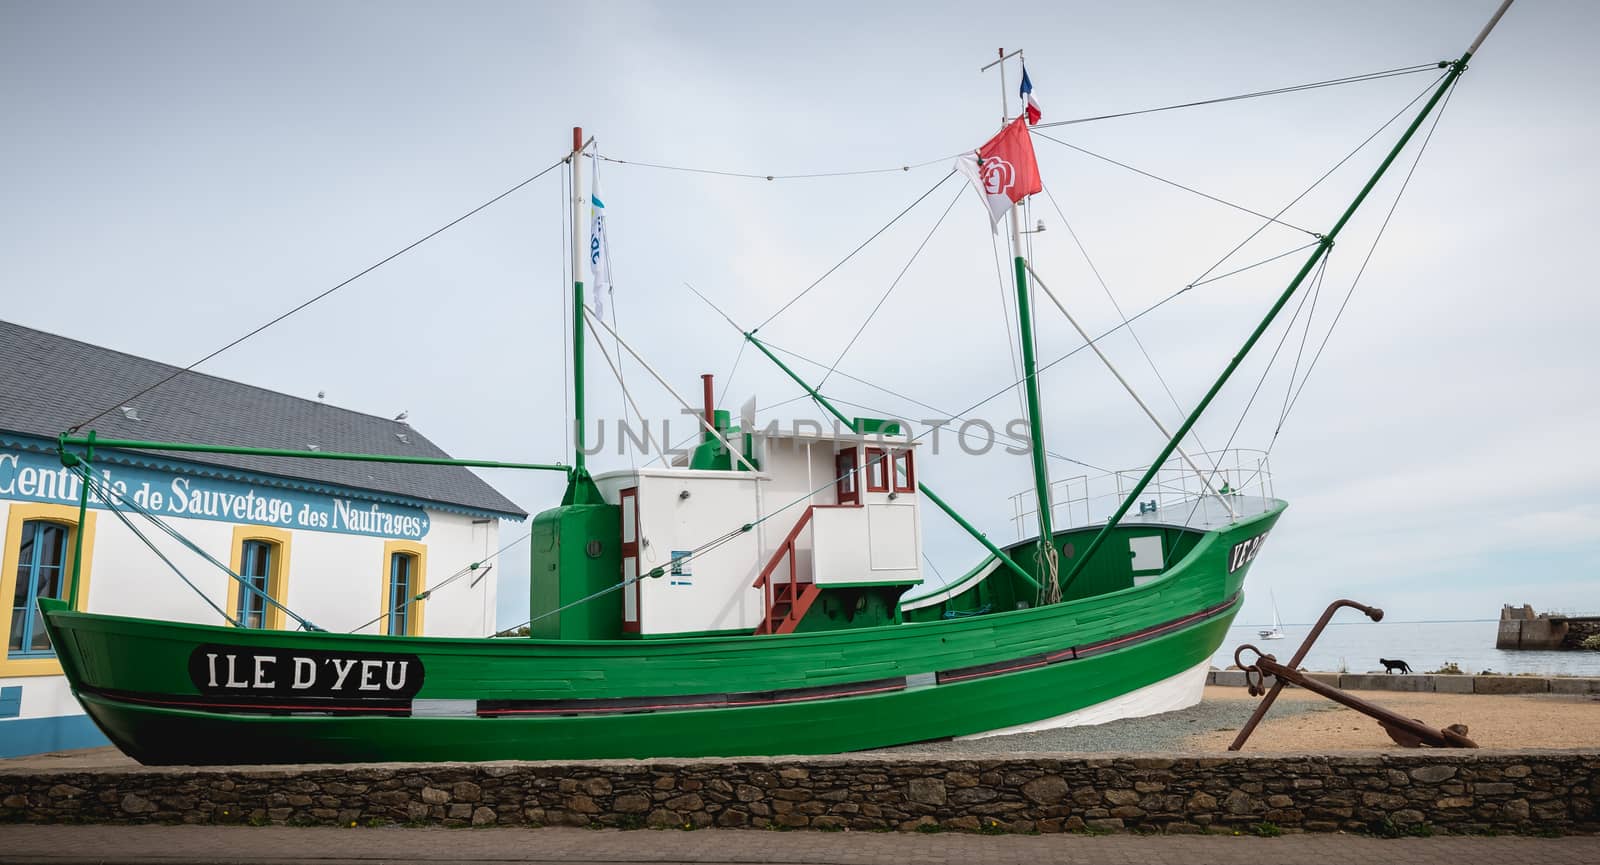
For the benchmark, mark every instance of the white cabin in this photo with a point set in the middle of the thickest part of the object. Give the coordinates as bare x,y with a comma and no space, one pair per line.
828,511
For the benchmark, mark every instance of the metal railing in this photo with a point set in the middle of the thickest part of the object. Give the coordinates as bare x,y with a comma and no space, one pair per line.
1175,495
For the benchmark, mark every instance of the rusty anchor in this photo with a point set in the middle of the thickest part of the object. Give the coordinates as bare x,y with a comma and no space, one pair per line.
1406,732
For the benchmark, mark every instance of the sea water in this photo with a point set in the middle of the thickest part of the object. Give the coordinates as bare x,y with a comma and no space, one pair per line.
1355,647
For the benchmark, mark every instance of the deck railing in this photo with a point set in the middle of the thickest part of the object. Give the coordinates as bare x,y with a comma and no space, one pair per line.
1176,494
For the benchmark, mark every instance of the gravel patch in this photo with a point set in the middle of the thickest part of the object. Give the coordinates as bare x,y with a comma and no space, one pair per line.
1165,732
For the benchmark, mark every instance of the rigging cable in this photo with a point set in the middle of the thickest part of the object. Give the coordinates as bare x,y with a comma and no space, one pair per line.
86,476
610,296
106,493
472,568
1336,166
890,290
897,395
370,268
1364,262
1295,88
1315,289
809,175
1421,149
1084,251
864,243
1174,183
803,176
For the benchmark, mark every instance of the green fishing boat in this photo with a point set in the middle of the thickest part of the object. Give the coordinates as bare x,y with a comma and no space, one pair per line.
765,596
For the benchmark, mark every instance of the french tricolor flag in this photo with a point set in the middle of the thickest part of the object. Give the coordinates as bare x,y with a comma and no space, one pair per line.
1029,105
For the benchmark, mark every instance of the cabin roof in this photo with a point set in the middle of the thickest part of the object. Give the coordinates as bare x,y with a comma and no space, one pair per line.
49,383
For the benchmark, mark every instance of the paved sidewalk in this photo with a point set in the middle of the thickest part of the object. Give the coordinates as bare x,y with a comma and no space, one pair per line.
328,846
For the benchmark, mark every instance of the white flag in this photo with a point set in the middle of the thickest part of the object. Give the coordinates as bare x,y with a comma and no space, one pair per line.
599,254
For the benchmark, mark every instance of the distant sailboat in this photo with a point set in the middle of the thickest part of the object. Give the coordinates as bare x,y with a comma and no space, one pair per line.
1276,631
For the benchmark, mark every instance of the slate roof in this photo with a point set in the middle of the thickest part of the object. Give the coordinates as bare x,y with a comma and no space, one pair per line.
49,383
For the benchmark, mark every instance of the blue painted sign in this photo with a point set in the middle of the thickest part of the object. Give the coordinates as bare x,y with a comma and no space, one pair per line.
36,477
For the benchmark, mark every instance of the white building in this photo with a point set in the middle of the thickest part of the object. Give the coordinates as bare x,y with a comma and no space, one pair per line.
342,544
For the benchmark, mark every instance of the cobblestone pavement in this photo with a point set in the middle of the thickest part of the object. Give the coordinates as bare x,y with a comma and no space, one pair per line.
146,845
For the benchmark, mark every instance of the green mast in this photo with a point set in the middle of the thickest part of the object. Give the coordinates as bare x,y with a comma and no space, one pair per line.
580,489
1030,375
1454,72
1030,371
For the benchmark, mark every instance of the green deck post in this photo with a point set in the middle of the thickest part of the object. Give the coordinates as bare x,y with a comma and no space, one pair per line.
943,506
1323,246
83,515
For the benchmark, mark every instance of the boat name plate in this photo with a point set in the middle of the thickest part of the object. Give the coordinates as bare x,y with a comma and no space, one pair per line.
301,673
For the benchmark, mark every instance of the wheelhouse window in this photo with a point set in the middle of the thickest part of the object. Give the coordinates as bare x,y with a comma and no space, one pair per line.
844,470
41,573
877,470
402,576
256,562
905,475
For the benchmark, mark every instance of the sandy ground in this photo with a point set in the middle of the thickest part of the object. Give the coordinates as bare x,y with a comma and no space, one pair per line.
1524,721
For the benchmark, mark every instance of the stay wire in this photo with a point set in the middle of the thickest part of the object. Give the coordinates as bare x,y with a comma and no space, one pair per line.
84,474
1011,386
381,262
1318,182
423,595
1295,88
1301,248
864,244
106,493
892,286
1084,251
753,176
1421,149
1173,183
1322,269
1276,91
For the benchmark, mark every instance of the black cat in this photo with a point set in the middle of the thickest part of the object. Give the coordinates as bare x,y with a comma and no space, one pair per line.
1390,666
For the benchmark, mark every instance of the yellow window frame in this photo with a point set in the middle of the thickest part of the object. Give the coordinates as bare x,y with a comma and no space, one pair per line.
277,576
17,515
419,584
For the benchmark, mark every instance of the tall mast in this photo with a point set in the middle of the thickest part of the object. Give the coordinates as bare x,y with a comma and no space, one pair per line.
580,489
1326,243
1041,470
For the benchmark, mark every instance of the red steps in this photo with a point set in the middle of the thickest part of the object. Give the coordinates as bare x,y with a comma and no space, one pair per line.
788,602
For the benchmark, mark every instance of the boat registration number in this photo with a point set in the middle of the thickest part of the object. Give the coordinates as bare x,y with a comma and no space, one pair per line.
304,673
1245,551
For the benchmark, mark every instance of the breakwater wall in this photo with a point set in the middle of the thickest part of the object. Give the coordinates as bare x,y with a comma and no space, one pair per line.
1522,628
1389,793
1433,683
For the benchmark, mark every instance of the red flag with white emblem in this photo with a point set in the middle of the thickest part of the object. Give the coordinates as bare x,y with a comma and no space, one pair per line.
1003,170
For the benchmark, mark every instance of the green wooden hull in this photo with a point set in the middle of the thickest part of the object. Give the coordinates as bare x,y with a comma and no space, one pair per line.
146,682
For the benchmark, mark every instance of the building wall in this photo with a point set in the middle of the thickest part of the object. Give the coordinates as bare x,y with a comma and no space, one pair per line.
335,580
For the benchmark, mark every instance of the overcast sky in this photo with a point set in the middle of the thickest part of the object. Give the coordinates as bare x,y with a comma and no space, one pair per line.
174,174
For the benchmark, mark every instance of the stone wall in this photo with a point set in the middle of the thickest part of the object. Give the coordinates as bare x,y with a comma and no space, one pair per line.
1454,791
